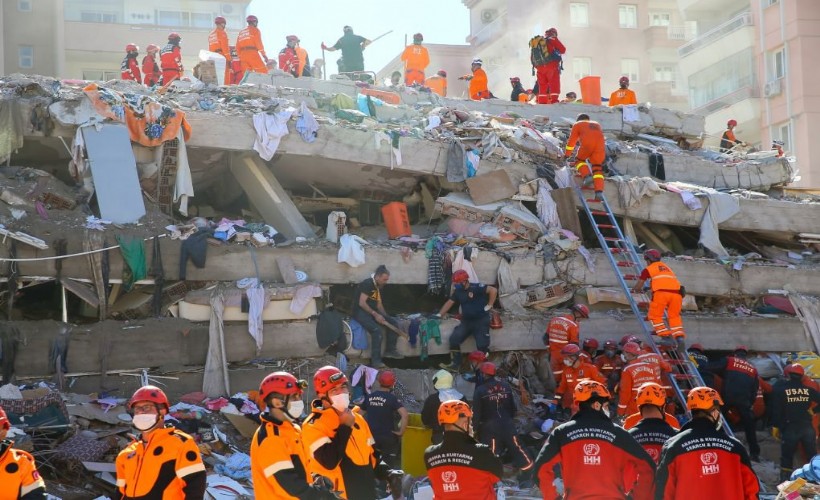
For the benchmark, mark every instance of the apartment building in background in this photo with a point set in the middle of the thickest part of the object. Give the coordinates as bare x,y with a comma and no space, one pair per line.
86,39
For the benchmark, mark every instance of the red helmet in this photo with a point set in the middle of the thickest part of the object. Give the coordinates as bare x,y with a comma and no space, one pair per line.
450,411
292,38
487,368
418,36
552,31
591,344
174,36
581,309
149,393
792,369
280,383
628,338
652,255
131,48
623,80
731,123
252,19
386,378
632,348
570,350
610,344
441,72
515,79
460,276
152,48
220,20
477,356
741,348
696,347
4,420
588,388
327,378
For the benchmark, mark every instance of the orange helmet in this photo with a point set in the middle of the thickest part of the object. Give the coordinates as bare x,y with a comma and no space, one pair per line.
252,19
703,398
651,393
570,350
131,48
632,348
487,368
386,378
149,393
581,309
588,388
450,411
280,383
794,369
327,378
652,255
731,123
460,276
220,20
4,420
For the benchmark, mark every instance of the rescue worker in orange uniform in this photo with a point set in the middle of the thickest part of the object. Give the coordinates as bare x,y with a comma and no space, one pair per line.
339,442
728,139
288,59
701,461
592,151
150,69
304,60
438,83
563,330
549,74
18,472
278,459
170,60
634,374
459,466
164,462
667,296
609,364
250,49
652,426
129,68
591,457
623,95
576,368
478,81
218,42
416,59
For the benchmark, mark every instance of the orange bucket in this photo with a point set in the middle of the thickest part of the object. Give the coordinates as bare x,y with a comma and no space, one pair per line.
591,90
396,219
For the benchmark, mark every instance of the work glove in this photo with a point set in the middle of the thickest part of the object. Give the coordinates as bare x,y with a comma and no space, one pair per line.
558,483
487,307
776,433
324,47
394,483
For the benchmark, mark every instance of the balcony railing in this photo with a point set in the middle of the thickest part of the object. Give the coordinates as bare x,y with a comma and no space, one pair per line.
734,24
490,32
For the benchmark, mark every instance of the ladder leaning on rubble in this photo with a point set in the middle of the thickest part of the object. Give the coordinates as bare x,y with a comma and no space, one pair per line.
627,264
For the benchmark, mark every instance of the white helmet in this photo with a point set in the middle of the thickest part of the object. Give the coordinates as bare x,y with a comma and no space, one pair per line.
478,61
443,380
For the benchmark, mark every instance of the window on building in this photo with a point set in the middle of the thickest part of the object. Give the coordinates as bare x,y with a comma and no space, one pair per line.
172,18
25,56
630,68
97,17
663,73
777,64
784,133
718,80
579,15
24,5
581,67
628,16
201,20
767,3
660,18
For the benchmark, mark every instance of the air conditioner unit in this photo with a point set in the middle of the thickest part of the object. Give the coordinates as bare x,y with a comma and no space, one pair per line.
227,9
772,88
488,15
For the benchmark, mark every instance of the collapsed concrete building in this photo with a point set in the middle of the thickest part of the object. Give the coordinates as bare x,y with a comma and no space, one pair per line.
751,245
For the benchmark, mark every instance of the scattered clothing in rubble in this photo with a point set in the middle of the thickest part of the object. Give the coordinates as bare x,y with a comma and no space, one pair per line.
149,122
183,183
133,253
215,381
392,138
369,375
367,104
82,449
351,250
490,142
58,349
306,124
509,296
456,162
413,332
722,206
547,209
656,168
429,329
95,223
330,331
237,466
342,101
195,248
461,263
436,277
11,128
302,297
358,334
471,162
270,128
256,298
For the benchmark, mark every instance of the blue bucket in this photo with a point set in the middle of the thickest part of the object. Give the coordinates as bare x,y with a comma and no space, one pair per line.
810,472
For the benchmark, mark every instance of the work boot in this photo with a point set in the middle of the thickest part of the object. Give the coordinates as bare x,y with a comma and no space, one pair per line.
393,354
455,362
599,195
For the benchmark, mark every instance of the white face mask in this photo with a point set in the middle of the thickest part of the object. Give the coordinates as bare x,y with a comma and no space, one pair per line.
144,421
605,409
568,362
295,409
623,358
340,402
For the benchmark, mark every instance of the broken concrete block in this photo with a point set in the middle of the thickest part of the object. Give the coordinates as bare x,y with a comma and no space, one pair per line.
490,187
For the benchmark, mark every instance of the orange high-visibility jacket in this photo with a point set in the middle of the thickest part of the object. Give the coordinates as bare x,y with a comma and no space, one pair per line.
437,84
591,136
663,278
303,60
218,42
250,38
570,378
623,96
415,57
18,474
478,85
634,375
278,461
562,330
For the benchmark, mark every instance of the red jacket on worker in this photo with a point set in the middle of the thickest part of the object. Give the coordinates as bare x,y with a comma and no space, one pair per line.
608,366
150,70
633,376
597,460
170,58
549,74
130,69
570,378
652,433
460,467
562,330
289,61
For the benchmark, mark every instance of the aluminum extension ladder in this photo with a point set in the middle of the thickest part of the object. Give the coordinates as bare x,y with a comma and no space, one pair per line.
627,265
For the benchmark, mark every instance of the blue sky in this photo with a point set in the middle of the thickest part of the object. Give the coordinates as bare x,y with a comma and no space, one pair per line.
317,21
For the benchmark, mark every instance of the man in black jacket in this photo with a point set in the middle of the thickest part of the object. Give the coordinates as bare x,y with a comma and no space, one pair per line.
791,417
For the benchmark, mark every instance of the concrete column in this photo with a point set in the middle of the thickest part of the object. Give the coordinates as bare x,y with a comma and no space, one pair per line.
59,40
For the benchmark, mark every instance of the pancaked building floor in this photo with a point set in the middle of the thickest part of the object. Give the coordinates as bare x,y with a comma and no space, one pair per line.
134,219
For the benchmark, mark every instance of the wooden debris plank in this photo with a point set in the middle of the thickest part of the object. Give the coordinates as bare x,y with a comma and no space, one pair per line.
25,238
287,269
